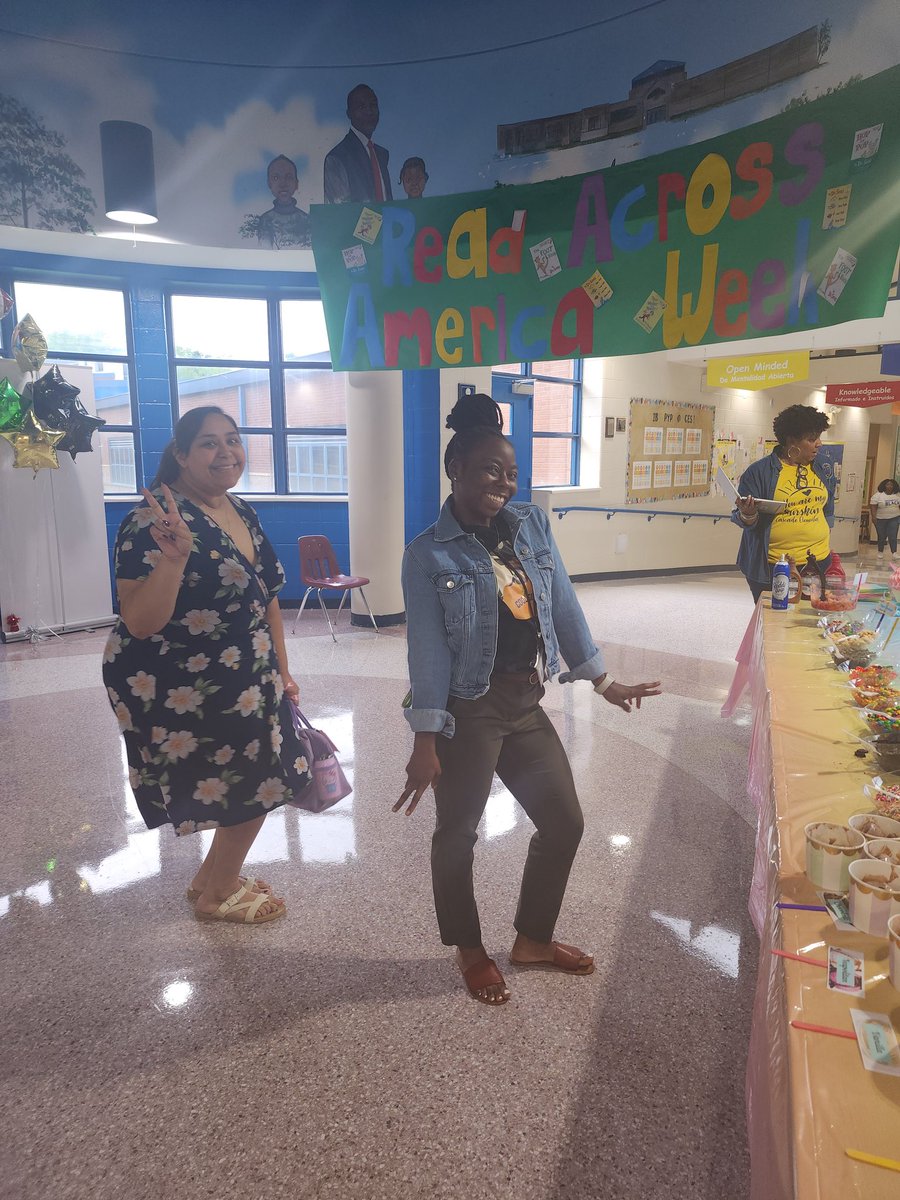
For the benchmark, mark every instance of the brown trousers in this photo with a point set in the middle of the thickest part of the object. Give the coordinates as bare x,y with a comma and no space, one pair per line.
506,731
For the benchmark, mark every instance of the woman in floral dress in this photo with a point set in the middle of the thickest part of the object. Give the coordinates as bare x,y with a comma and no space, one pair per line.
196,667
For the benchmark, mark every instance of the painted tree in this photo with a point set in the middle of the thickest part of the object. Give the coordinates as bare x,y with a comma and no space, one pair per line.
40,185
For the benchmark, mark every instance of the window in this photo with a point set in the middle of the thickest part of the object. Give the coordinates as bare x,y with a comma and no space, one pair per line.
88,326
315,405
656,114
556,419
266,363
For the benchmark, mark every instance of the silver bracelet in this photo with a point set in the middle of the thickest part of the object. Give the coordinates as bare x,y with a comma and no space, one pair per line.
601,687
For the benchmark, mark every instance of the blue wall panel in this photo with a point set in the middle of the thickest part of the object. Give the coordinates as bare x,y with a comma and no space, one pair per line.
284,522
421,448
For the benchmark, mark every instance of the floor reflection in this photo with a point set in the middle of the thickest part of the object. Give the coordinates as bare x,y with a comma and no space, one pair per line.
38,893
138,859
721,948
500,814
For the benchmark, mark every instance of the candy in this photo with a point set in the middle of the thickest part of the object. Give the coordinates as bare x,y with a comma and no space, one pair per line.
870,676
883,722
887,801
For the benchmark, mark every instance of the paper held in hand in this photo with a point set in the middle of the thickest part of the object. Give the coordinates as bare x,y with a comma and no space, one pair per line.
766,506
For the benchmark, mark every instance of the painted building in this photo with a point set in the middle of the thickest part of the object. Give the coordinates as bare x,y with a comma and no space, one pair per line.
665,92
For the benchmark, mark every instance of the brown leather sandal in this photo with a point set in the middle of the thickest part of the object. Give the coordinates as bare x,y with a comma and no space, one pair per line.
484,974
568,959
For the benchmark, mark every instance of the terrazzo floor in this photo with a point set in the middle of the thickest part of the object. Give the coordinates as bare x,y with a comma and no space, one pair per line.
335,1053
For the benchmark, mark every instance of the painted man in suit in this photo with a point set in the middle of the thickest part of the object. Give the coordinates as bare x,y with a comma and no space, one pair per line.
356,169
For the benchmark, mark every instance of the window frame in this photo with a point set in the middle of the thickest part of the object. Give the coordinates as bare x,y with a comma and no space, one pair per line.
8,283
572,435
276,365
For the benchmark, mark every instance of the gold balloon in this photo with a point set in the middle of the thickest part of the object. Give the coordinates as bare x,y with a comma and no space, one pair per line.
34,444
29,344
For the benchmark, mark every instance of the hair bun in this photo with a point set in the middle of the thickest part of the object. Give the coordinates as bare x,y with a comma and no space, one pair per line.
477,411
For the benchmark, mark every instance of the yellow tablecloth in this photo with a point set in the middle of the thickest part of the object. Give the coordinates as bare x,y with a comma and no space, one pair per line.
808,1095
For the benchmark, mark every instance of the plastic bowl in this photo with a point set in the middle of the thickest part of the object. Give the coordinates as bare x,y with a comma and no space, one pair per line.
839,596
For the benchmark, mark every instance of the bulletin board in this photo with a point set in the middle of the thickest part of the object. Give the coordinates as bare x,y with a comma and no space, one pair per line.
670,450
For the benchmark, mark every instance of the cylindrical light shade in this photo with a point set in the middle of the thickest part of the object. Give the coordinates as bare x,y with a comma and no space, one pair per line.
129,179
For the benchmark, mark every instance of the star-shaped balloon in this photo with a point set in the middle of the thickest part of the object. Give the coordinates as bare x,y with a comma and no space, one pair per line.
79,432
6,304
12,410
34,444
53,398
56,403
29,344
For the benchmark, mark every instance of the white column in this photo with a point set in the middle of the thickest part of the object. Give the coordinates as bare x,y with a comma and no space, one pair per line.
376,503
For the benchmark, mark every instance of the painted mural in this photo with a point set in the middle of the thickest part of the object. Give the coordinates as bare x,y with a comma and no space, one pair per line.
254,120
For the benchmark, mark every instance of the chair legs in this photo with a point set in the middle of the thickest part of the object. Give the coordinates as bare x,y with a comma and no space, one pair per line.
362,592
301,608
324,609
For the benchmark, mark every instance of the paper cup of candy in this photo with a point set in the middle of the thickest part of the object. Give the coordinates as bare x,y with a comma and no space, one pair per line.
874,825
884,849
894,951
830,849
874,895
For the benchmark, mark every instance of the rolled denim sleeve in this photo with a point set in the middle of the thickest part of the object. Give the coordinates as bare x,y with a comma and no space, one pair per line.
576,643
428,652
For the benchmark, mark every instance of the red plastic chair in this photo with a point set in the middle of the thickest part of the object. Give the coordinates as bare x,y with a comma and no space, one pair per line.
320,572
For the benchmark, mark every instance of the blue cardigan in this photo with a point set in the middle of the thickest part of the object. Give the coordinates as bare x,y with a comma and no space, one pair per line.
760,480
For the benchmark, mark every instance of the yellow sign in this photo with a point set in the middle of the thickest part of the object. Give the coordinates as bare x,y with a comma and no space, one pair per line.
757,371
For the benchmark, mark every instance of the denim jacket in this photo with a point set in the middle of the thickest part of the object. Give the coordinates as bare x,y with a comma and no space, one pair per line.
450,593
760,480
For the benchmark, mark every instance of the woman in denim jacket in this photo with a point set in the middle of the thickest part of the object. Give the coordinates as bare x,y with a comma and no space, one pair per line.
490,609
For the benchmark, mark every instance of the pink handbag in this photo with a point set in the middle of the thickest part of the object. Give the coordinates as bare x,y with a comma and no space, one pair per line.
328,784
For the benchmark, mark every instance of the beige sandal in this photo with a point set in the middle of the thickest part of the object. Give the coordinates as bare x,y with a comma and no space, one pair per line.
242,908
256,884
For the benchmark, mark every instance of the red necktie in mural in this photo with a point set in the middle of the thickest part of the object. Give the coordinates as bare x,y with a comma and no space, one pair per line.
376,173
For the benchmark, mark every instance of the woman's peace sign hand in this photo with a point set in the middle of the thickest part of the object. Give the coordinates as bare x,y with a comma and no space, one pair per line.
168,529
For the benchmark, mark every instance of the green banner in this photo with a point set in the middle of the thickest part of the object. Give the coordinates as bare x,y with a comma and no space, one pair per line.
786,225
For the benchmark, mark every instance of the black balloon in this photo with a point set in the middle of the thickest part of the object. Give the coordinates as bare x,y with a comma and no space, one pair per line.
79,432
56,403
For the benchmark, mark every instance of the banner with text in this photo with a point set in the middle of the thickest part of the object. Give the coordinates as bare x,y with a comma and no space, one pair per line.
862,395
789,224
757,371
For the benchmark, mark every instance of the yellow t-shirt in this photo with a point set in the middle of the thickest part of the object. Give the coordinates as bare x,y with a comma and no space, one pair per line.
800,529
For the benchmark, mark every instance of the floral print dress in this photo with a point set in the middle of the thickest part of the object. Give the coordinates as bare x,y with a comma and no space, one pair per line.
201,705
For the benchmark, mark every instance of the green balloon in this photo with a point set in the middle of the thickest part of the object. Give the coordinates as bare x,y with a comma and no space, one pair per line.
12,410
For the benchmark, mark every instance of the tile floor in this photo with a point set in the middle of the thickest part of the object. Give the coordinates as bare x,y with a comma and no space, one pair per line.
334,1053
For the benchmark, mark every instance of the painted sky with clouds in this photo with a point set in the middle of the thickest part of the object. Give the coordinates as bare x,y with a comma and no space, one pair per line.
216,126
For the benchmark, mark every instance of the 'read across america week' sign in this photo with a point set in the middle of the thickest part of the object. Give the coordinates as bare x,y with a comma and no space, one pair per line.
787,225
863,395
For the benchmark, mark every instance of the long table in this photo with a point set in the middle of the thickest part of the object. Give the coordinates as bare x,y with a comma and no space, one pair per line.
808,1094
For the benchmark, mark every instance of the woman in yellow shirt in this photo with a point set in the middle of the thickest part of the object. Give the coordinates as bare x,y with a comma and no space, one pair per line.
803,527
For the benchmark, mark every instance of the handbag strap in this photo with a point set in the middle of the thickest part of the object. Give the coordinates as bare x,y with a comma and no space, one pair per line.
299,714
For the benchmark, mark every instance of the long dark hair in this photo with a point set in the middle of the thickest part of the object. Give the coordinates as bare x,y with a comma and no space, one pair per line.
473,418
884,484
185,432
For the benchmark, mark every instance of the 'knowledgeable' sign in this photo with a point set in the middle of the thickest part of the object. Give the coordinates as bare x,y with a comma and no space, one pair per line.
862,395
